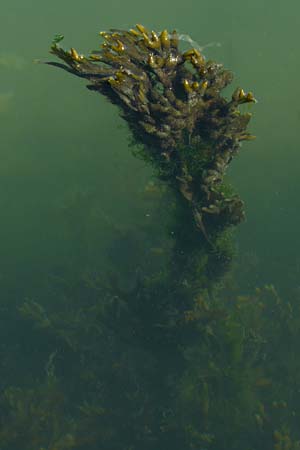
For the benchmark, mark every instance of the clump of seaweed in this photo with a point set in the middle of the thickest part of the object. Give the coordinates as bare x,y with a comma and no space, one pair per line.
165,361
125,373
173,105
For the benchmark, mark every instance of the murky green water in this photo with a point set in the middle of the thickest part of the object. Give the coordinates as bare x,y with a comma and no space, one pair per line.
57,137
69,183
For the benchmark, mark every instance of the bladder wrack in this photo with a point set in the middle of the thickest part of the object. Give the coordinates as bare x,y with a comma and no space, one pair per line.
173,104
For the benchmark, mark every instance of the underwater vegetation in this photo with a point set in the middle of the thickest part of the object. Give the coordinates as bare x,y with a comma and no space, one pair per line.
170,360
127,369
173,104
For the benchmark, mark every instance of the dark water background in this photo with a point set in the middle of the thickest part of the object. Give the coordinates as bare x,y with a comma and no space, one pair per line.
60,142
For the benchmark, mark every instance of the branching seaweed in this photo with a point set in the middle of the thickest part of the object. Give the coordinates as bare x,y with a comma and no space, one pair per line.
166,361
173,105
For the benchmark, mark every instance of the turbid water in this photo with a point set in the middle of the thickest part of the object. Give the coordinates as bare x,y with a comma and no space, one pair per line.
56,137
70,184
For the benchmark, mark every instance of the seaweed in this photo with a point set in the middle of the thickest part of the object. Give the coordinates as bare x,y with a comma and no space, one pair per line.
172,102
169,360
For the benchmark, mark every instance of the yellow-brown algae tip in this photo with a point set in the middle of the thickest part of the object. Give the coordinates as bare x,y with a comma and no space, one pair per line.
156,62
154,36
191,52
95,57
187,86
142,29
203,86
75,55
250,97
119,48
237,94
151,60
164,39
197,61
114,82
149,43
134,32
242,94
247,137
